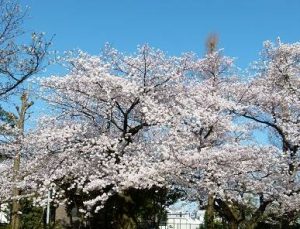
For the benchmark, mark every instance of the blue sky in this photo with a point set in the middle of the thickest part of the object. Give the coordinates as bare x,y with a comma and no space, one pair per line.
172,25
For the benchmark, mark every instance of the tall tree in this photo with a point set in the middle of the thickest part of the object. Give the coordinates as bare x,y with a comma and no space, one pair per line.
112,109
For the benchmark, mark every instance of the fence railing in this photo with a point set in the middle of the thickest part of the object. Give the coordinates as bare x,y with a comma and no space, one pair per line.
168,225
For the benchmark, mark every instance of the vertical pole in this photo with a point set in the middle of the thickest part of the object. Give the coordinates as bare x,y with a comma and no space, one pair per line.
20,121
15,223
48,208
180,219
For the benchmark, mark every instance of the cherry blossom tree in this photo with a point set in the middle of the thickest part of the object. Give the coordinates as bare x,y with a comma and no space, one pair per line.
271,99
210,122
111,113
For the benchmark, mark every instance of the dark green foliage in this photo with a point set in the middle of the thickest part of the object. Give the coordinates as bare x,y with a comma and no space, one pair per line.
134,207
7,117
216,224
32,217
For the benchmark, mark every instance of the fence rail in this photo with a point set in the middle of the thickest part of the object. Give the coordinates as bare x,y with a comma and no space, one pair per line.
168,225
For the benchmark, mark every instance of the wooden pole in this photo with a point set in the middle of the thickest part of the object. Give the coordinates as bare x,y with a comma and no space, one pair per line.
19,122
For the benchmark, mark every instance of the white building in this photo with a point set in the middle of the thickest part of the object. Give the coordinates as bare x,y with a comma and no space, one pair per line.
179,220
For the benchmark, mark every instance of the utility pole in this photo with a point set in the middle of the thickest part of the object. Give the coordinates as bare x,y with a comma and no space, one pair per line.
19,121
48,208
211,43
211,47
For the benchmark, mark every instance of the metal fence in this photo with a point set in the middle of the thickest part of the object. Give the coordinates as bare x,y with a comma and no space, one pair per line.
168,225
180,226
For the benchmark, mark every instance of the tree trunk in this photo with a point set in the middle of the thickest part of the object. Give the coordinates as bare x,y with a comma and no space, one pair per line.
127,222
284,224
233,225
210,213
126,218
251,225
